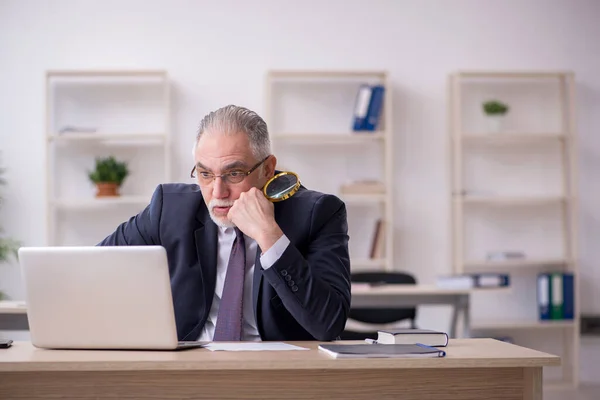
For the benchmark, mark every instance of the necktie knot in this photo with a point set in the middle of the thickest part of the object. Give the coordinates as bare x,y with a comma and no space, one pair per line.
239,235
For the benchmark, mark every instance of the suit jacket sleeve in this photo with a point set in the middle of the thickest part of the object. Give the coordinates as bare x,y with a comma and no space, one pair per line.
315,288
140,230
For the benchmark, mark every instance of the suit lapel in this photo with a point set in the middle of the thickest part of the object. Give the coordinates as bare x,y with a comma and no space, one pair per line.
206,239
256,281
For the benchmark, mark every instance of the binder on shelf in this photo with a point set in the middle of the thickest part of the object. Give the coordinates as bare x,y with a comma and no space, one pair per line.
368,107
361,107
568,296
543,296
556,309
375,107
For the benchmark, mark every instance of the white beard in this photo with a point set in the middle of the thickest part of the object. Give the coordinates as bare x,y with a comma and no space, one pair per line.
223,222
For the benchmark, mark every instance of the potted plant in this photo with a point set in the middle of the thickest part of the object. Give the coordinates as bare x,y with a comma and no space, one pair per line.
108,176
495,111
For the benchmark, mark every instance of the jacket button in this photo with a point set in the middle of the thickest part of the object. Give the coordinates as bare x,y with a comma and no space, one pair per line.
288,278
294,288
283,273
291,283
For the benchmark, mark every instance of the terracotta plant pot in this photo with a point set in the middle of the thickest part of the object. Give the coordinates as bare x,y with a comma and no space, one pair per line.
107,189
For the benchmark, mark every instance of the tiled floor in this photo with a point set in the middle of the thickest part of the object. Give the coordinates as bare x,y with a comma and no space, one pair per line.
584,392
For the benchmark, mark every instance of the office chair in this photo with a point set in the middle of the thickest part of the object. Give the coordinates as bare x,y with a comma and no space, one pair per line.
380,315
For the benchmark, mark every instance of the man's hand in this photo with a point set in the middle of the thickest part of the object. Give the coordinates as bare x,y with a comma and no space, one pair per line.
253,214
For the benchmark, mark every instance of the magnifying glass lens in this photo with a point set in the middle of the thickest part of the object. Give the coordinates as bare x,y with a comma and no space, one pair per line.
282,186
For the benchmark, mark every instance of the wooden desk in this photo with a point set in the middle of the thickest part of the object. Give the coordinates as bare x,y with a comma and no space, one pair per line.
383,296
474,369
13,316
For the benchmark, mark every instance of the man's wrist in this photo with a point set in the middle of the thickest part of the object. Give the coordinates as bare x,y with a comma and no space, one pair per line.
269,237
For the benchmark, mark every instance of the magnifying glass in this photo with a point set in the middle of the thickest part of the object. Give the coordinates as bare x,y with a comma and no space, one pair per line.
282,186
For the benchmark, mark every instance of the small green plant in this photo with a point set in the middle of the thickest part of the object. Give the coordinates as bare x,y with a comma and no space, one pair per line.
109,170
495,107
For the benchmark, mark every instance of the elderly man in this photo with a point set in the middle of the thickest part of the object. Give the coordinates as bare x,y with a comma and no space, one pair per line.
243,268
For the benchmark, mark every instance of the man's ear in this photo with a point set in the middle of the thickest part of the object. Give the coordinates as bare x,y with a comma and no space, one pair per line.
270,165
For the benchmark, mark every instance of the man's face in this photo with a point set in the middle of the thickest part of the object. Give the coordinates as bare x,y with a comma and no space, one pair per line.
219,154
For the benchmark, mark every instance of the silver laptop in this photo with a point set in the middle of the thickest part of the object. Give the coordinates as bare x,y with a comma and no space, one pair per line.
100,298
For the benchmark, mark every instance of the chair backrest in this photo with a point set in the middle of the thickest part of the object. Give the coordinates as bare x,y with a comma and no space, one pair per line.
383,315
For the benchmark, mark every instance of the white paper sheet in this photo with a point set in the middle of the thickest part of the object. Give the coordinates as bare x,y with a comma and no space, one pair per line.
252,346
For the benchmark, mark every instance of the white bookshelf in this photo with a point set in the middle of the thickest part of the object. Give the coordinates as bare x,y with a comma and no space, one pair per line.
516,190
125,114
310,115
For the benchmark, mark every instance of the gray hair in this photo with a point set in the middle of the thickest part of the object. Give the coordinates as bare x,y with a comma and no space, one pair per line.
233,119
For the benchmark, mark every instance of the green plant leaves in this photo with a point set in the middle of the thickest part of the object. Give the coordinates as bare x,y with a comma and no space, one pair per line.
495,107
109,170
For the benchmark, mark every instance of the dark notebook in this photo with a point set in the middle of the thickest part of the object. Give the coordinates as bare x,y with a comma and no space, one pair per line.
381,350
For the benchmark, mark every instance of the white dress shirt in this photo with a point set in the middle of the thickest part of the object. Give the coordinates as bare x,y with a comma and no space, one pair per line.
226,236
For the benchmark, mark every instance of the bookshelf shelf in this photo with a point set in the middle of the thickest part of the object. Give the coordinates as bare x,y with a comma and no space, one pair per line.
94,203
332,138
515,74
521,325
512,201
126,75
514,265
501,289
513,138
368,263
364,198
82,137
330,74
533,150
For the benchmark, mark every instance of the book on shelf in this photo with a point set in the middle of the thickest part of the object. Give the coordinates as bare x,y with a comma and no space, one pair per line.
76,129
505,255
378,243
368,107
471,281
556,296
412,336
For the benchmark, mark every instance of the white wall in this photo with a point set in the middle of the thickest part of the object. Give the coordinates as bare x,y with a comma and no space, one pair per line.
217,53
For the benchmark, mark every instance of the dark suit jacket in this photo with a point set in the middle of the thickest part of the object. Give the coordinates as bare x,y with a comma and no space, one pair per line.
305,295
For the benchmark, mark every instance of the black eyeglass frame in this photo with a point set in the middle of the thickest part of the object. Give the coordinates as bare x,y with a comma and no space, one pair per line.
224,176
